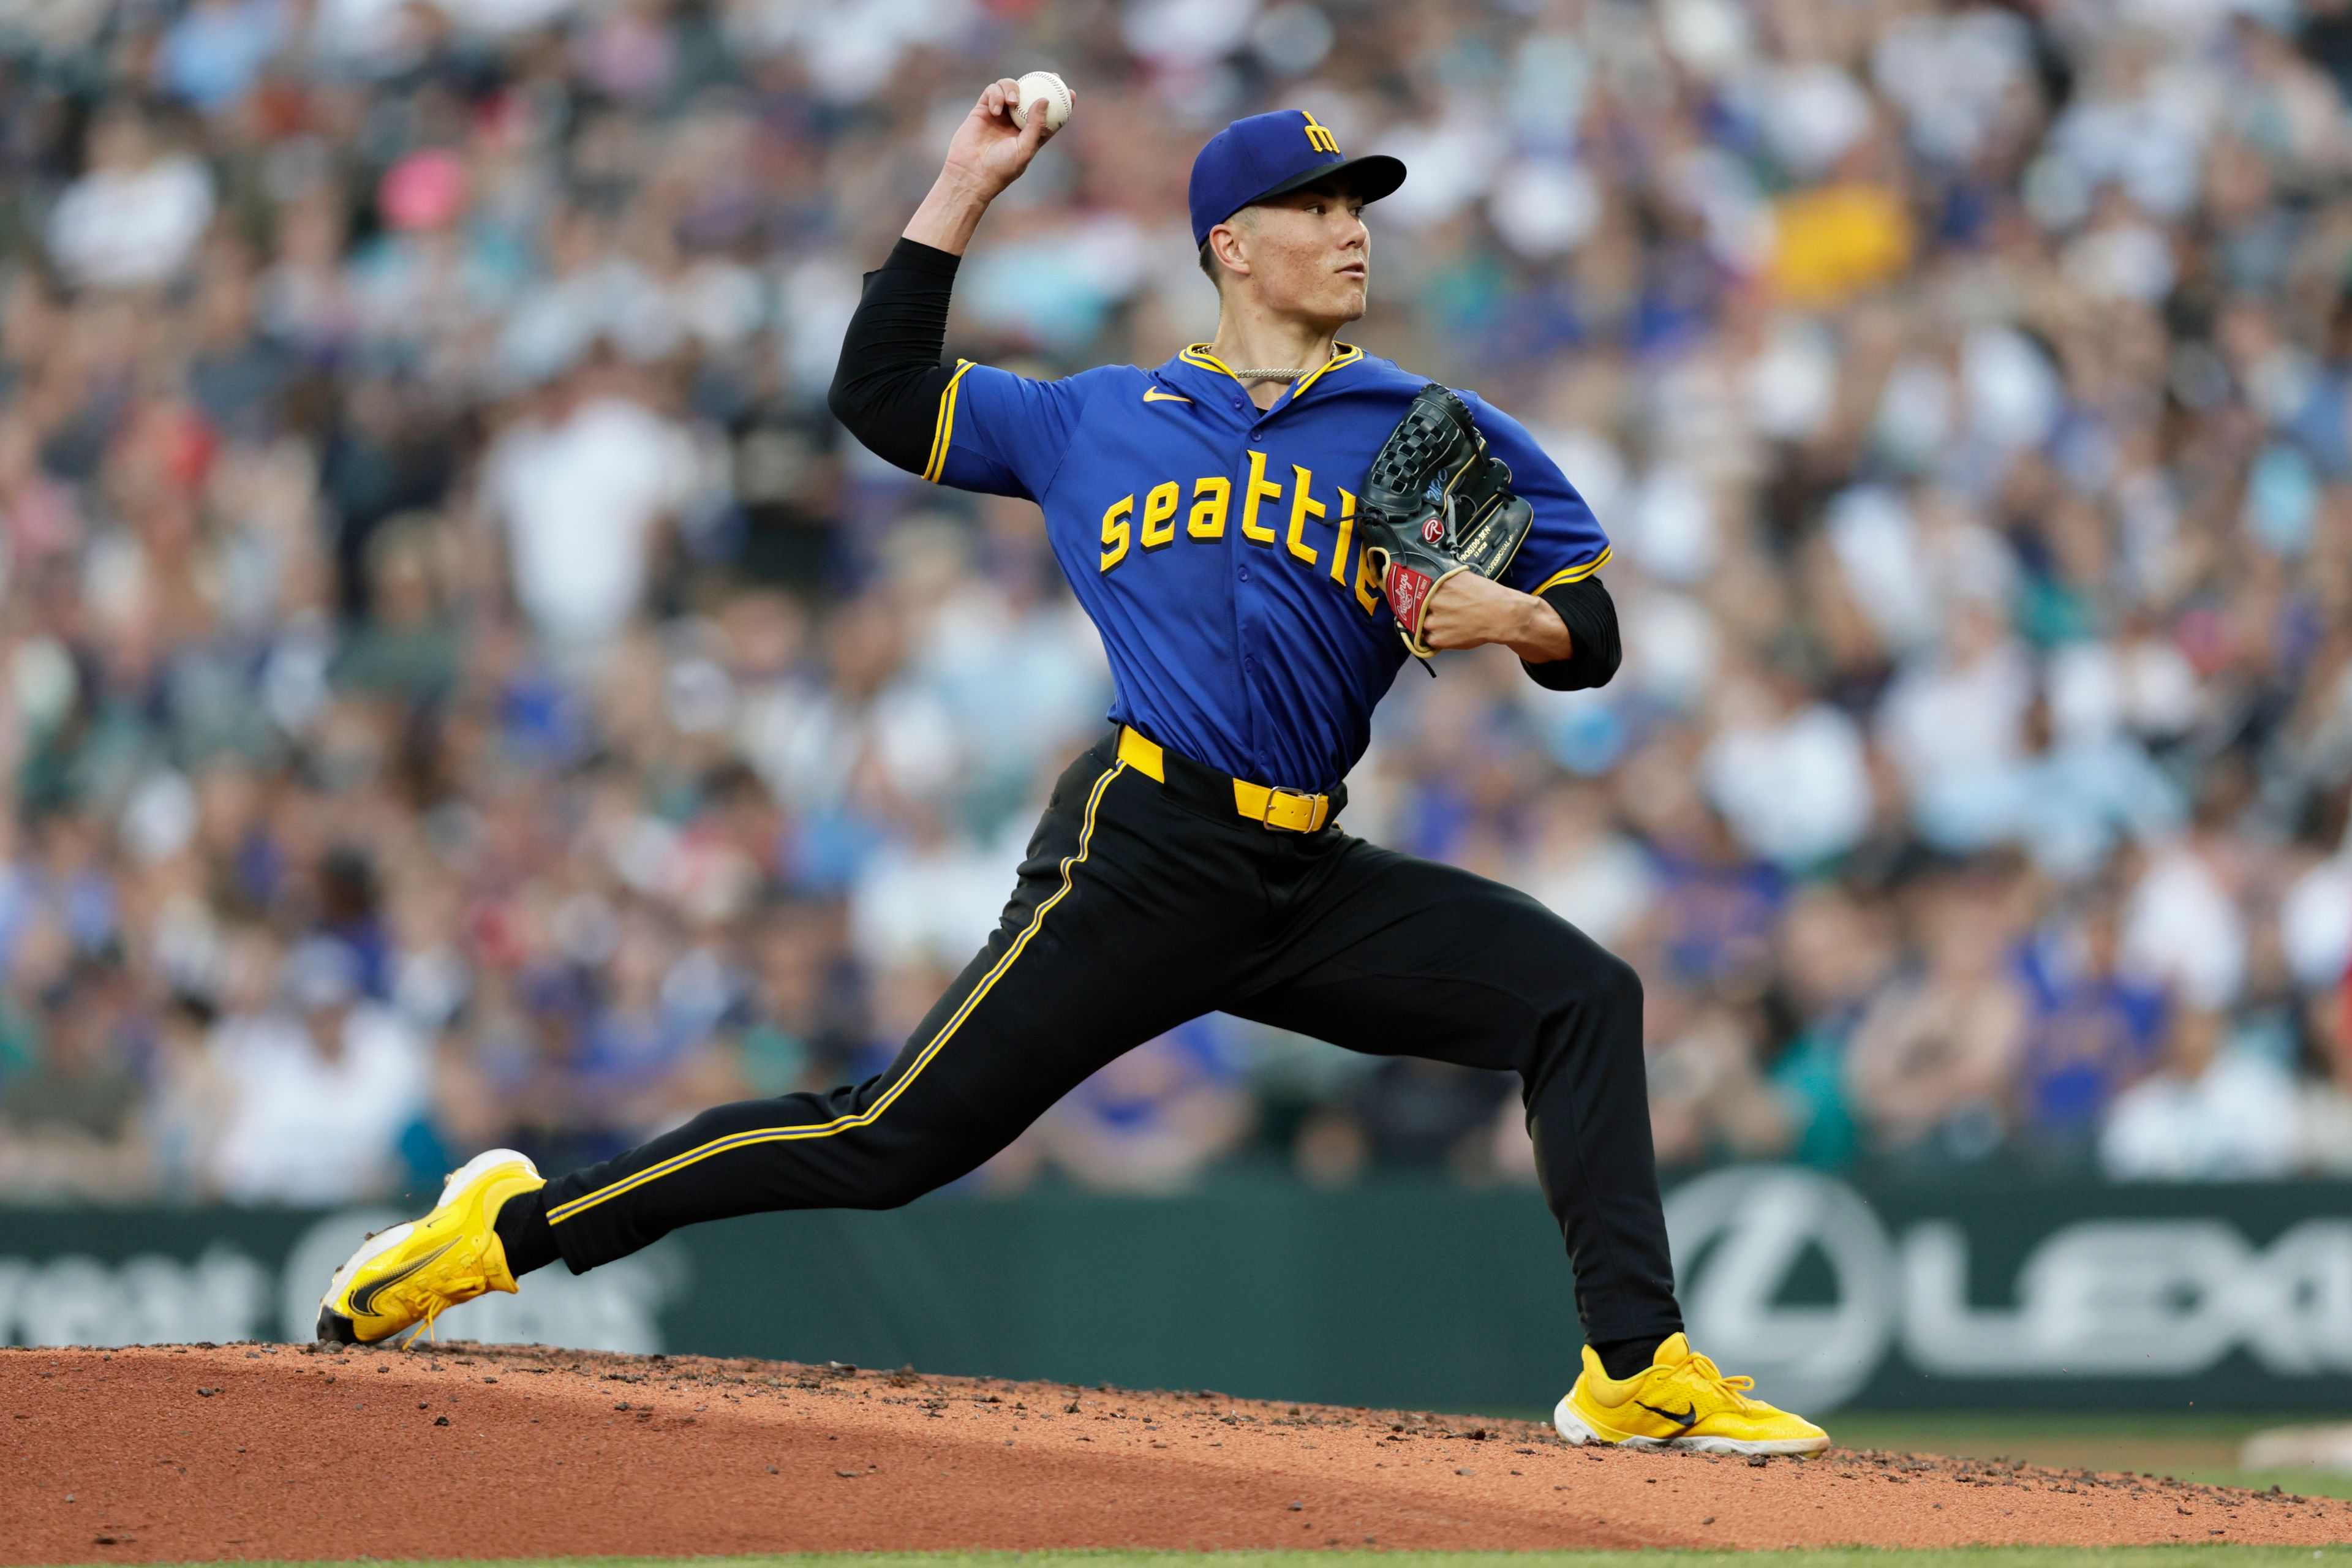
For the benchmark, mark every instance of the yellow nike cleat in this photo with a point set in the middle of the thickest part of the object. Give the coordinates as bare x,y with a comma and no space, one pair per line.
1680,1401
415,1272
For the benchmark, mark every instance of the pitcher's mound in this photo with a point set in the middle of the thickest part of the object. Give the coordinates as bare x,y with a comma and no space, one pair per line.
250,1451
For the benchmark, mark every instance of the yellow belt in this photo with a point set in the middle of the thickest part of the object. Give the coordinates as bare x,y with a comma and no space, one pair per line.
1286,810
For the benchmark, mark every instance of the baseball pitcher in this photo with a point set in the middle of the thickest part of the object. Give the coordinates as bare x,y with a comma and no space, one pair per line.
1264,528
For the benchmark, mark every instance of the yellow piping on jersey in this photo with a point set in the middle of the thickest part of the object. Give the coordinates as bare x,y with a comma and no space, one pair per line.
1576,574
1198,354
747,1138
1349,354
943,432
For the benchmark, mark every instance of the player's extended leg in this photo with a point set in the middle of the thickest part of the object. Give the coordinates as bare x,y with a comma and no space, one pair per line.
1383,953
1086,963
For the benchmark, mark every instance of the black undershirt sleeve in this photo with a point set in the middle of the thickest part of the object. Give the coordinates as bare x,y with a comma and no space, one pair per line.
1590,616
886,390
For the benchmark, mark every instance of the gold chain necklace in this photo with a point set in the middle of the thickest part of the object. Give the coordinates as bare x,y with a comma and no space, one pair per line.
1269,375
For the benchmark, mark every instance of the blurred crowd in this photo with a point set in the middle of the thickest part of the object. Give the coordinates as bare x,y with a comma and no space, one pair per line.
458,687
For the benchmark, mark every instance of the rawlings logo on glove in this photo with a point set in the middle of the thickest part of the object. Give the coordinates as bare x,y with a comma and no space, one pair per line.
1408,591
1436,503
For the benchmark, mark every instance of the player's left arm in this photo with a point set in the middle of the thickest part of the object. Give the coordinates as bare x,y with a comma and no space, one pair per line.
1549,607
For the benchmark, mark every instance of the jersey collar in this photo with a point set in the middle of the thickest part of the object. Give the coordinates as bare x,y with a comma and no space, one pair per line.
1343,355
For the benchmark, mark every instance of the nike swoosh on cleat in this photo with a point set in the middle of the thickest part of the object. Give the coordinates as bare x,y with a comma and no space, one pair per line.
1154,394
363,1300
1686,1420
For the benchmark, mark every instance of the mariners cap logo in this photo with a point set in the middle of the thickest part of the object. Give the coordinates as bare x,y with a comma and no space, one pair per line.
1317,137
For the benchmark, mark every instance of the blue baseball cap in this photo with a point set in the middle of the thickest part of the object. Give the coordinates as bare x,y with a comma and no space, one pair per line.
1267,154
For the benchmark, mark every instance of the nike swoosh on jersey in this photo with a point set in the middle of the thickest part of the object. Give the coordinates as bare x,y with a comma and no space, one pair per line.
1154,394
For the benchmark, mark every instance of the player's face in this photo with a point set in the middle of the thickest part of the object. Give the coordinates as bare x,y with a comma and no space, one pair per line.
1310,255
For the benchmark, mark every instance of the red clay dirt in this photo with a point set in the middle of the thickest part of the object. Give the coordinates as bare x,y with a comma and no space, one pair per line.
459,1450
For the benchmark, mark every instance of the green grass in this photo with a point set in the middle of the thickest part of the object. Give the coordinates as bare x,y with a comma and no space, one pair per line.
1843,1557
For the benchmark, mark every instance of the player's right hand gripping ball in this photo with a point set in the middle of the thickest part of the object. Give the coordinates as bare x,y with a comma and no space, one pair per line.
1436,503
1046,85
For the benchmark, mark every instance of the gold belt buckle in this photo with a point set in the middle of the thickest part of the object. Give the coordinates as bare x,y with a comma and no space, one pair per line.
1306,800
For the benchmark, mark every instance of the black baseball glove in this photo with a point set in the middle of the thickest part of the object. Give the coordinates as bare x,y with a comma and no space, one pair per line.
1436,503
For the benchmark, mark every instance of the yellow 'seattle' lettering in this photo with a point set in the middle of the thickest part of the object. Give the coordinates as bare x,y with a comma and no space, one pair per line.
1347,532
1210,494
1159,515
1114,531
1368,583
1303,505
1154,527
1260,488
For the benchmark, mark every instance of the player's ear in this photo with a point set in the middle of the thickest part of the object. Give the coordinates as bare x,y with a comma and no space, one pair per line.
1225,244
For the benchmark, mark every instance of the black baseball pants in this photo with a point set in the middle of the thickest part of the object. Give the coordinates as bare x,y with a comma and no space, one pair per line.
1142,904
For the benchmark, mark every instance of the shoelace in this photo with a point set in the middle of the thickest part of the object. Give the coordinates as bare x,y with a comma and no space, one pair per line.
425,1329
1704,1373
435,1302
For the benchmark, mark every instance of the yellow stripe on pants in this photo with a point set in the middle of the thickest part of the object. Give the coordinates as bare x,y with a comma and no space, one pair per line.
745,1140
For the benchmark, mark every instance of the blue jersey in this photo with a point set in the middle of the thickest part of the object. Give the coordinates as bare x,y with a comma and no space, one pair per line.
1214,546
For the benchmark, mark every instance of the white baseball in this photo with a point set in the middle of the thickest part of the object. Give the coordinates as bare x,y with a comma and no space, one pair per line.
1047,86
